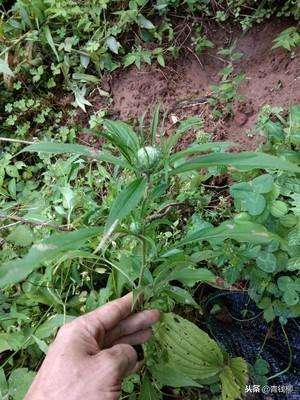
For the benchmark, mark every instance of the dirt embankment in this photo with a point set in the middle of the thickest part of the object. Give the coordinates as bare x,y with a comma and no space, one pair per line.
272,77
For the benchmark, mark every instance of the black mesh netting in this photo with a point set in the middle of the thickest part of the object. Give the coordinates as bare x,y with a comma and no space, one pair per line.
245,338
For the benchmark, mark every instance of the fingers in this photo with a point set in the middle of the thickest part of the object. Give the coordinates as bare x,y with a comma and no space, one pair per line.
107,317
132,324
136,338
119,360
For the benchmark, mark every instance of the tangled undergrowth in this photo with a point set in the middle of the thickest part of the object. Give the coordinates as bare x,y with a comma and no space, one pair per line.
81,225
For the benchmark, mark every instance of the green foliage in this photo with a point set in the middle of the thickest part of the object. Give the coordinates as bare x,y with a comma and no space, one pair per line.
135,239
45,47
190,351
17,385
225,93
288,38
81,226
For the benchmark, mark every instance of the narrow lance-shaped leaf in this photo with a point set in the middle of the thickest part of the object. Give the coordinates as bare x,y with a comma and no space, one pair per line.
15,271
85,78
65,148
154,124
242,161
50,41
123,137
200,148
126,201
242,231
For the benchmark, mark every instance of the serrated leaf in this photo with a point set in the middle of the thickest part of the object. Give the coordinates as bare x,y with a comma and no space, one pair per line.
189,349
19,381
21,236
11,341
296,204
15,271
261,367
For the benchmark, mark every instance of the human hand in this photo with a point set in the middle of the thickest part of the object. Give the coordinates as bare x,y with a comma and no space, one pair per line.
92,355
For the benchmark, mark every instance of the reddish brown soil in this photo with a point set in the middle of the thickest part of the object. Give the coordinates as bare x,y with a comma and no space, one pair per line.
272,77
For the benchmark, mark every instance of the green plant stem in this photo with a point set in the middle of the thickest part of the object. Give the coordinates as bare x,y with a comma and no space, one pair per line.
143,263
4,139
290,360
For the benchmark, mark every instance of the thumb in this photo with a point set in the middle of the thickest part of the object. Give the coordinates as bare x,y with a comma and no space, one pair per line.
119,361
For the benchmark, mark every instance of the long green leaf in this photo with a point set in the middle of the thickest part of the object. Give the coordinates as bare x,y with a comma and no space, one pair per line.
154,124
242,231
123,137
15,271
85,77
242,161
148,390
65,148
50,41
126,201
200,148
190,277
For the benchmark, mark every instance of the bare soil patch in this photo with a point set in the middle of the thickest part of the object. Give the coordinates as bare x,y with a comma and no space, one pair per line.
272,77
